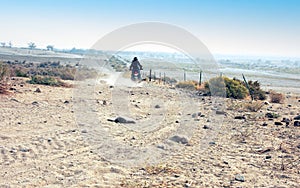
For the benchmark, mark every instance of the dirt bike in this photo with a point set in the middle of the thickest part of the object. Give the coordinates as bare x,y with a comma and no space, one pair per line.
135,75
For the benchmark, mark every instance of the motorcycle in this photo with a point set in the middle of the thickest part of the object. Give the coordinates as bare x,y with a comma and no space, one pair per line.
135,75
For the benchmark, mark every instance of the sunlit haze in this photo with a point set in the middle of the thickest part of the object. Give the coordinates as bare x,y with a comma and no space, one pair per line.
259,28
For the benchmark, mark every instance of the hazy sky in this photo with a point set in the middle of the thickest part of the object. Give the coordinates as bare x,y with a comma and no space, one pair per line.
245,27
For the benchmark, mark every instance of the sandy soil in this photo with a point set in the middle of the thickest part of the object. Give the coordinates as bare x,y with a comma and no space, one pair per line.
55,139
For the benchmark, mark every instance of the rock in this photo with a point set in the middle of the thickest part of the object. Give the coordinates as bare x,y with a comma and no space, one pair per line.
66,102
271,115
286,120
34,103
264,124
38,90
266,103
289,105
84,131
278,123
297,117
161,146
178,139
268,157
111,87
220,112
212,143
239,117
297,123
24,150
157,106
240,178
194,115
205,127
123,120
176,121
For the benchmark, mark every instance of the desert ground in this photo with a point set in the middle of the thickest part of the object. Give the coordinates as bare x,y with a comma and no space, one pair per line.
53,137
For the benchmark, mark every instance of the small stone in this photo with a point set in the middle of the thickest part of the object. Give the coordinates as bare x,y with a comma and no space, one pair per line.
278,123
24,150
111,87
157,106
176,121
240,178
176,176
194,115
84,131
178,139
34,103
205,127
220,112
286,120
38,90
289,105
212,143
66,102
161,146
264,124
297,123
123,120
268,157
239,117
297,117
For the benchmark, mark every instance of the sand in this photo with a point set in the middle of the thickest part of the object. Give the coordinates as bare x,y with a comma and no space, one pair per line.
61,137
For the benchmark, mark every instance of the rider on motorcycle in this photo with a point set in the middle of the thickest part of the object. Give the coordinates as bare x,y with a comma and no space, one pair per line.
135,66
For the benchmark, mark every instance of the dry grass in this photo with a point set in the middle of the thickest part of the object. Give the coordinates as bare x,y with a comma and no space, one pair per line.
187,85
253,106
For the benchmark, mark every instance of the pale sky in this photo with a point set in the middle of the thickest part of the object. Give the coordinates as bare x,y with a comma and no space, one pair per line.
239,27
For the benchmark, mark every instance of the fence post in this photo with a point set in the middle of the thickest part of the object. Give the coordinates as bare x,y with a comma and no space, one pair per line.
247,85
200,78
164,78
150,75
159,77
184,76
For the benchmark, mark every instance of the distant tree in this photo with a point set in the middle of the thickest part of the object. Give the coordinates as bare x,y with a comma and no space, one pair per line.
50,47
10,44
3,44
31,45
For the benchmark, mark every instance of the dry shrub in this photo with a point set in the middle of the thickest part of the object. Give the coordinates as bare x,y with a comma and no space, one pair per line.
47,80
253,106
276,97
187,85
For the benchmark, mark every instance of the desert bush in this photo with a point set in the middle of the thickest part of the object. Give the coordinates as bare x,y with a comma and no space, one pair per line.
46,80
20,73
276,97
187,85
257,92
233,88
